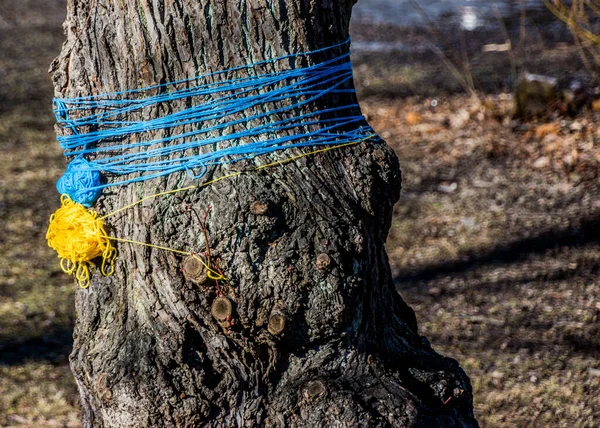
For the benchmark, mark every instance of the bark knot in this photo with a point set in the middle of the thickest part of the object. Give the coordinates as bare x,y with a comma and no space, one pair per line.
194,270
323,260
276,324
315,389
221,309
259,208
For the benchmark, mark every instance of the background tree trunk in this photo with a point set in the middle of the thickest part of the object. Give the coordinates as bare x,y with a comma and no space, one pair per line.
147,351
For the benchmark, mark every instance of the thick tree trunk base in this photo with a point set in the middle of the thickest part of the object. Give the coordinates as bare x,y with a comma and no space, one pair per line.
317,334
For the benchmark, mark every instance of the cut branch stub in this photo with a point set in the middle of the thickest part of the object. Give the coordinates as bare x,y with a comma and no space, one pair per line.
315,389
276,324
259,208
194,270
323,261
221,309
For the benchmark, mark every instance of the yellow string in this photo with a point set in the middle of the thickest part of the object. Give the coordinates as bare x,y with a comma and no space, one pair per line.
79,236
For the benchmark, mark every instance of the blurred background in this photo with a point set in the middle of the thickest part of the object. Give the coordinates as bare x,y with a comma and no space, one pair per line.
493,109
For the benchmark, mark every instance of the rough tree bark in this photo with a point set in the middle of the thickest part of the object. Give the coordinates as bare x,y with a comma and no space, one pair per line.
303,243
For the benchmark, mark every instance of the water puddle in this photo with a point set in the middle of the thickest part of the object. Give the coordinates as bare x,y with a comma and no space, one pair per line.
468,14
384,47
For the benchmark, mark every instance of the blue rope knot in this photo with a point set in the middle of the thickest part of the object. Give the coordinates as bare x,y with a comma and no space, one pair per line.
219,124
81,182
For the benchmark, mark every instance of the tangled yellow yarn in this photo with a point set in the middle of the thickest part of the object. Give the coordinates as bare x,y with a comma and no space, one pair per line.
79,236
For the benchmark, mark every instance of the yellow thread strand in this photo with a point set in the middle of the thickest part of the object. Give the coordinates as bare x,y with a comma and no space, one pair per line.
168,192
145,244
79,236
234,174
293,158
208,183
211,273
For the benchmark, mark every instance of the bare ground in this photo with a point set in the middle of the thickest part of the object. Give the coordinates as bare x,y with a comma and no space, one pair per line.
495,244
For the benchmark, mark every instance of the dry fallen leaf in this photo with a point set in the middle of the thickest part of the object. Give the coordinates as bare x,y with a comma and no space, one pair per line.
547,129
413,118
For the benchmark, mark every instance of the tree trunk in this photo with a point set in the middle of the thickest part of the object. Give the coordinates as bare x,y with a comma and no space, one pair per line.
302,243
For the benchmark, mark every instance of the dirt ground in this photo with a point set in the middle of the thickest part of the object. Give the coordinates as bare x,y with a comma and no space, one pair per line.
495,243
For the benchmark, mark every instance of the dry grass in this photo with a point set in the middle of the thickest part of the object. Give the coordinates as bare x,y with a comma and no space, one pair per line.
583,19
36,300
37,395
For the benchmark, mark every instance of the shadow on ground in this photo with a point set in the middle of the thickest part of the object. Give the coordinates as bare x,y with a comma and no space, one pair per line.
499,253
585,233
51,347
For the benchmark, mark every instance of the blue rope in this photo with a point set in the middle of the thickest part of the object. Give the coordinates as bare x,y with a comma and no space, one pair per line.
220,114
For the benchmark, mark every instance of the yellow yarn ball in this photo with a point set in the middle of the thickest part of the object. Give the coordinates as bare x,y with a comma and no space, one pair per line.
79,236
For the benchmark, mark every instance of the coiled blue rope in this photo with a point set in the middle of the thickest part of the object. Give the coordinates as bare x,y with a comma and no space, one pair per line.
207,113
